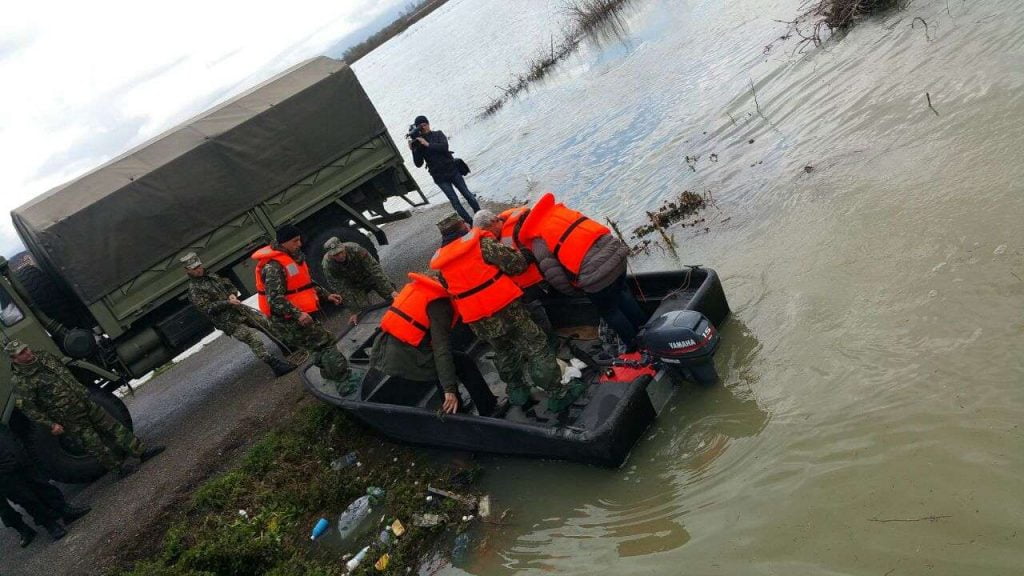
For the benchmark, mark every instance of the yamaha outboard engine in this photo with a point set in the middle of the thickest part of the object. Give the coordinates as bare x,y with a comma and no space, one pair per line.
684,341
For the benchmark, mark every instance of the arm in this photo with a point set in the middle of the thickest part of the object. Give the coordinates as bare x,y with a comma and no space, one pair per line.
276,286
508,260
556,275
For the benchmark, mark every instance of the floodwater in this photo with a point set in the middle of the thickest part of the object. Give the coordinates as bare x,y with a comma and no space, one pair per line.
869,418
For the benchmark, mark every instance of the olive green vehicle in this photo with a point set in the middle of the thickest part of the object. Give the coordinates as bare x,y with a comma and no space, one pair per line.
102,284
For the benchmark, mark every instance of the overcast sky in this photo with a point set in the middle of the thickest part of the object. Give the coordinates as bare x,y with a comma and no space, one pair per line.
84,81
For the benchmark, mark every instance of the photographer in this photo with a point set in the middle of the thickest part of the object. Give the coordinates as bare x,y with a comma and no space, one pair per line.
432,147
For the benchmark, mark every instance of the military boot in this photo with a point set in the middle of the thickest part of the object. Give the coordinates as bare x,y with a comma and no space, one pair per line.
27,534
281,367
55,530
71,513
152,451
573,392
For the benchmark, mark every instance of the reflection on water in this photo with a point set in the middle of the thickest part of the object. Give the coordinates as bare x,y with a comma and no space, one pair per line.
871,250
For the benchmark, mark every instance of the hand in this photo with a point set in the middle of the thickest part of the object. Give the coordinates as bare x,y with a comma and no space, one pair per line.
353,319
56,429
234,300
451,403
423,142
334,299
305,319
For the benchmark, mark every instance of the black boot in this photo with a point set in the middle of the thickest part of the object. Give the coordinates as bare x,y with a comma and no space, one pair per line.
71,513
27,534
55,530
152,451
281,367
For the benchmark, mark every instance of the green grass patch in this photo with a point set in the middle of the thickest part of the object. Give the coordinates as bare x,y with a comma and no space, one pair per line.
284,483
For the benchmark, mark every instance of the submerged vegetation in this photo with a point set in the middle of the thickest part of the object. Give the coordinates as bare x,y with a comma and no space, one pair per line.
586,17
256,517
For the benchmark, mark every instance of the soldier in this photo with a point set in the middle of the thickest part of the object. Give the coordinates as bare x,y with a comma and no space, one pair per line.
577,253
49,394
353,273
22,484
216,298
475,269
288,296
415,344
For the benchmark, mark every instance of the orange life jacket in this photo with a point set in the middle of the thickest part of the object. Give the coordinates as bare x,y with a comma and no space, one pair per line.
478,289
407,318
567,233
299,286
511,217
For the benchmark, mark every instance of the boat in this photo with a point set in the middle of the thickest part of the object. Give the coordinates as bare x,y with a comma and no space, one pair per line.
625,395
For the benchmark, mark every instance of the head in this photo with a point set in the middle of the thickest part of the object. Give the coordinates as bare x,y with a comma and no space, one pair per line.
452,227
19,353
289,239
335,250
423,124
488,221
193,265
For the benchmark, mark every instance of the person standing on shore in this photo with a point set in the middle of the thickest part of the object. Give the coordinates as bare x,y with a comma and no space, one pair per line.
431,146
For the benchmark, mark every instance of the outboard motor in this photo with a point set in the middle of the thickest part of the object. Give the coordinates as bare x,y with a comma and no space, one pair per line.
684,341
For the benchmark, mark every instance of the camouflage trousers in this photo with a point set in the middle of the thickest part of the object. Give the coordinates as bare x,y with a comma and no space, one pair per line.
101,435
246,328
520,347
319,342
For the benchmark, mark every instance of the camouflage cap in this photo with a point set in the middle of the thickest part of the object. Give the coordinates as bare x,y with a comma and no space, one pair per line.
14,347
451,223
190,261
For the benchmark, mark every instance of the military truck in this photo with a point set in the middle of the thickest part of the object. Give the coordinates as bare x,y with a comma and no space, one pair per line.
103,286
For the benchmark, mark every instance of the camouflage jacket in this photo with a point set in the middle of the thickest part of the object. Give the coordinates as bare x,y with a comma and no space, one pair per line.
276,285
209,294
359,270
45,390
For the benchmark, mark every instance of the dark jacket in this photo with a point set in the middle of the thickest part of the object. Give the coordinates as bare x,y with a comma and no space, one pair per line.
440,161
604,262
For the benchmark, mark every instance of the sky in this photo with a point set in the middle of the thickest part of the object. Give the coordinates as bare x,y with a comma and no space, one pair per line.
85,81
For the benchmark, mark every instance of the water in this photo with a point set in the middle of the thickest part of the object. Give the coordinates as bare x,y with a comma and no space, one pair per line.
869,420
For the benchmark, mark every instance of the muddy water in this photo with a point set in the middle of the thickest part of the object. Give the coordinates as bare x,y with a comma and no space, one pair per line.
869,419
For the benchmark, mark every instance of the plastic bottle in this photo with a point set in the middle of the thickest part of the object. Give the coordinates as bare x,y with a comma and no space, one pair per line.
355,520
319,529
357,559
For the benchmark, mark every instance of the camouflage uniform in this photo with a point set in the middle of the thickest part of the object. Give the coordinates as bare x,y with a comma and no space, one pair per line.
355,277
284,322
517,341
209,294
49,394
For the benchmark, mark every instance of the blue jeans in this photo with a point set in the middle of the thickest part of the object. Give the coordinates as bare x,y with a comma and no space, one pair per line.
449,186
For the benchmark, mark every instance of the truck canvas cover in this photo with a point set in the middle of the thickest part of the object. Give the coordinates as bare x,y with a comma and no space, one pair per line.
104,228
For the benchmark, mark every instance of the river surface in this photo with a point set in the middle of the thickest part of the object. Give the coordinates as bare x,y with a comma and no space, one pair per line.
869,418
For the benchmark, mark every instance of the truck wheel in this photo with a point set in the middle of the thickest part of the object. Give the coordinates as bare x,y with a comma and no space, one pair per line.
51,297
314,246
62,458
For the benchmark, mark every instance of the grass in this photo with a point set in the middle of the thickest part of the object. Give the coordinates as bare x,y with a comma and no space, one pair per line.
284,483
586,18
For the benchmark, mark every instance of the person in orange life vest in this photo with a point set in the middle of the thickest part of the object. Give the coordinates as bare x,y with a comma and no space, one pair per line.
575,252
531,282
476,268
288,296
414,345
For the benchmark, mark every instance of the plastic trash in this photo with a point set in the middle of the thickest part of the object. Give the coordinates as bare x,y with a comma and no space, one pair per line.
357,559
397,528
355,520
345,461
461,547
382,563
319,529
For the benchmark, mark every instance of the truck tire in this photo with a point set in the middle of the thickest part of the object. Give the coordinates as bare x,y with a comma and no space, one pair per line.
51,297
62,458
314,246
